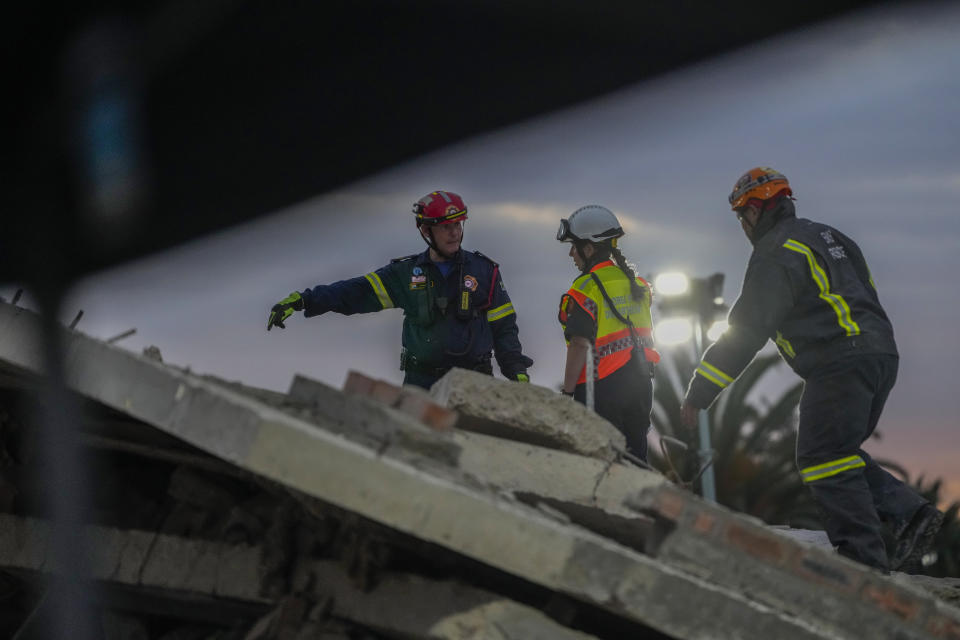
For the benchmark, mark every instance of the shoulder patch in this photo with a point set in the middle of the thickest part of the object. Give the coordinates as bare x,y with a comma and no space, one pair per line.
410,257
480,255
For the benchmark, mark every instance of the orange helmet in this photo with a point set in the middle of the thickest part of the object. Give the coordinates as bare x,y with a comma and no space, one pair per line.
761,183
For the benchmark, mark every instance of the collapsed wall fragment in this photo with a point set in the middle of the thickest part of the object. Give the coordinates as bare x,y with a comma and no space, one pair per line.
421,507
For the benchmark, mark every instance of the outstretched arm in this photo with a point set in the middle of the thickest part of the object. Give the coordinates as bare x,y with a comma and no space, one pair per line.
374,291
764,302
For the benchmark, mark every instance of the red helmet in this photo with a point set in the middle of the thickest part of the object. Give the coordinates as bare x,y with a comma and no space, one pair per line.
439,207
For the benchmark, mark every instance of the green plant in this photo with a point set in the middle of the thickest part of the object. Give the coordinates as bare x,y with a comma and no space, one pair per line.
753,440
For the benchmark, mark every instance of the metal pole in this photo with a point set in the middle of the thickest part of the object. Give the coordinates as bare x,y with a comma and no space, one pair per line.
588,374
69,597
707,482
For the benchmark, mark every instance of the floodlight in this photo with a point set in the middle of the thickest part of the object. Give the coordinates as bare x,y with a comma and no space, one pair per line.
673,331
671,284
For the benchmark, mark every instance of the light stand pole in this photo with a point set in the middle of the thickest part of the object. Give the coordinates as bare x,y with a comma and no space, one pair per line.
702,299
708,487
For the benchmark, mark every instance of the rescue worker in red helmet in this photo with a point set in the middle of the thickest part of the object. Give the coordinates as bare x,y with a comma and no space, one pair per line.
808,288
606,312
456,309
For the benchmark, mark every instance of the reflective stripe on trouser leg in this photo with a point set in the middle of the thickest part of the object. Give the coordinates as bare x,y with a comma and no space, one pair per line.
850,519
832,468
835,418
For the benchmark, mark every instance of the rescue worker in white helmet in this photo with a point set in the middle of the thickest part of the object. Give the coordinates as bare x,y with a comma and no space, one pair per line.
456,309
808,289
607,312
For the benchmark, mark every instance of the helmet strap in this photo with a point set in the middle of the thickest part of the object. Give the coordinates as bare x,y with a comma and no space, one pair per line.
427,236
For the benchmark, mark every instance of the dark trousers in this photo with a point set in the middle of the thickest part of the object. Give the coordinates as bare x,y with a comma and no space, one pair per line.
840,407
624,398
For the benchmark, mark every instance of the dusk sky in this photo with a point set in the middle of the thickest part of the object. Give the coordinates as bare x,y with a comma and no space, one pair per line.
862,115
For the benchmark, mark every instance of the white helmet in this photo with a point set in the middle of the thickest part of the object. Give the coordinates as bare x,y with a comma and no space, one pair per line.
592,222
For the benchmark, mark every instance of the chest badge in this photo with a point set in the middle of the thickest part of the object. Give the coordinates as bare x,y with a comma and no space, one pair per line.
469,283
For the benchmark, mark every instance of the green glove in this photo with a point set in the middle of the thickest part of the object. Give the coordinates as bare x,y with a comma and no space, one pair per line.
284,309
522,377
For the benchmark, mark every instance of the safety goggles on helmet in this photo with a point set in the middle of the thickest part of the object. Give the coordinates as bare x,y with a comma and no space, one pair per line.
593,223
563,233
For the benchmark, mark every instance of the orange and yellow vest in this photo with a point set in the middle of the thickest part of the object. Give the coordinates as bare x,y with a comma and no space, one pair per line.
613,343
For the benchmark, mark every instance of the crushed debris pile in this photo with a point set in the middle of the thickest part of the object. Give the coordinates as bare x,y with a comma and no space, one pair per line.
485,509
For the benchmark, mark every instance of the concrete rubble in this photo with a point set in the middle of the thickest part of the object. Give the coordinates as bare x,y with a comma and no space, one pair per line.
484,509
527,413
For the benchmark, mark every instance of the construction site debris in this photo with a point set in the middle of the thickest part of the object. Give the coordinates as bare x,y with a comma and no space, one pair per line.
370,513
526,413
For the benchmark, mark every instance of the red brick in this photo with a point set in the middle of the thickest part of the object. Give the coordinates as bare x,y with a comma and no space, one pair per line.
704,523
897,602
943,627
758,543
815,566
671,503
385,392
358,383
427,412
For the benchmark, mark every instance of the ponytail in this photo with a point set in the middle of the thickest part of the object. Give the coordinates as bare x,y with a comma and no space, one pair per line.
638,293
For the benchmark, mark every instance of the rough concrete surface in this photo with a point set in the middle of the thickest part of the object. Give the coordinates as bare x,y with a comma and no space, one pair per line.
526,413
797,578
696,571
141,558
415,607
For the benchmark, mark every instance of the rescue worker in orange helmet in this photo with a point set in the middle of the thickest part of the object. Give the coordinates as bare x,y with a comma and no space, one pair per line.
456,309
607,312
808,288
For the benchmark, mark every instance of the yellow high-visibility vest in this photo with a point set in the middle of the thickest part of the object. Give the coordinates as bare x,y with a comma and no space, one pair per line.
613,341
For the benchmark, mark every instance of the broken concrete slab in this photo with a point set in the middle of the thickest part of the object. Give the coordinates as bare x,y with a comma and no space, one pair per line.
366,421
142,558
588,491
526,413
553,473
744,555
408,491
811,537
410,606
412,401
946,589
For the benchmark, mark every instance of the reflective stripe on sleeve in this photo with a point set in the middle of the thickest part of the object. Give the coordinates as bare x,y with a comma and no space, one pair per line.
380,290
784,344
832,468
836,301
714,375
500,312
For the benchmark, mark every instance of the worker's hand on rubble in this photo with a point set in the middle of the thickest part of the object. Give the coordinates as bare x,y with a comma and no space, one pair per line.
522,377
689,415
284,309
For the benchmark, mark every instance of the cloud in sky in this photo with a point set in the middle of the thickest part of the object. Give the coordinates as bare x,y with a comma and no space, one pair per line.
860,114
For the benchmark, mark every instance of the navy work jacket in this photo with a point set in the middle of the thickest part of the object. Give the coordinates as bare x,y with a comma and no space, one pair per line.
455,320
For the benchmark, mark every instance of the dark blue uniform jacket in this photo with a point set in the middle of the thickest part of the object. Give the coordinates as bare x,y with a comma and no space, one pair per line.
457,320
